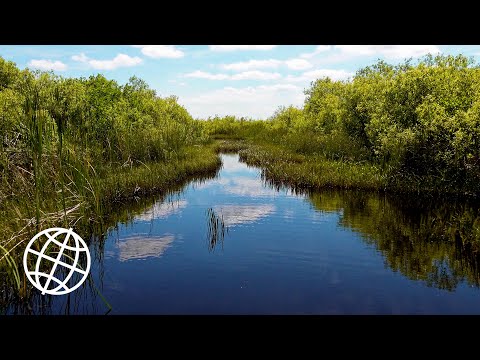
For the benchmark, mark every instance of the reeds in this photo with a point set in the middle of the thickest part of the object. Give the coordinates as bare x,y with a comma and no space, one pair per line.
283,167
216,229
229,146
73,150
93,212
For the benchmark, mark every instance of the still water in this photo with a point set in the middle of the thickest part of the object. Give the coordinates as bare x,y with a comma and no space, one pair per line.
282,253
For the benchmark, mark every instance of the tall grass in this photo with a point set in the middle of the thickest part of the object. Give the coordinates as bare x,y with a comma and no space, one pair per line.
93,215
229,146
282,167
73,150
420,123
35,120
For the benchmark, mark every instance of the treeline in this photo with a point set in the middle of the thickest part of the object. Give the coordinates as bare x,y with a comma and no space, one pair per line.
232,127
419,122
109,121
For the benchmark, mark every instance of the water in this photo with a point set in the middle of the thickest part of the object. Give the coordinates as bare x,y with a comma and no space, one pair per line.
283,253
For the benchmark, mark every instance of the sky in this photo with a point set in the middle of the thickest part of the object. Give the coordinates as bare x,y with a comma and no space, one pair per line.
242,80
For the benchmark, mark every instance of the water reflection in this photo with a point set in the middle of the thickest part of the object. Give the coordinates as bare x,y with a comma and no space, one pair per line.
290,251
240,186
238,179
161,210
216,229
243,214
89,298
142,247
231,164
436,242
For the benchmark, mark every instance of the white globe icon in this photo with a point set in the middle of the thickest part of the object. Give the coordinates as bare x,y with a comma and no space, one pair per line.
62,271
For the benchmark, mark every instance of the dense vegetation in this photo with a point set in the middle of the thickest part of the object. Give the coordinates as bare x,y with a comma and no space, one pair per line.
70,149
409,127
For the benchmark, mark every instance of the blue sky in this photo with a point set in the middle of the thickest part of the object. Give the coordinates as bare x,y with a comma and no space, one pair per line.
241,80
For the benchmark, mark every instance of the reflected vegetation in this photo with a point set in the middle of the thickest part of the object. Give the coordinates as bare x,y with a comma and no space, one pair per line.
433,241
216,229
88,298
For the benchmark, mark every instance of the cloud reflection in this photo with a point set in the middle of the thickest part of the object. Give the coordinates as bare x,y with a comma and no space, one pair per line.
162,210
248,187
141,247
242,186
238,179
231,163
243,214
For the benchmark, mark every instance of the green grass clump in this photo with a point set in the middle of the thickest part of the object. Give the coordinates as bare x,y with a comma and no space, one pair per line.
94,213
126,183
229,146
283,167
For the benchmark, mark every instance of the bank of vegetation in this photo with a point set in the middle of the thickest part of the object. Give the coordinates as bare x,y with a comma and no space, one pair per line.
73,150
402,128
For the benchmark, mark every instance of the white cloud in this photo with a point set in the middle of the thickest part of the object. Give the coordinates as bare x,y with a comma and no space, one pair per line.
161,51
246,75
252,64
241,47
256,75
319,49
48,65
82,57
320,73
206,75
121,60
331,73
298,64
388,51
254,101
295,64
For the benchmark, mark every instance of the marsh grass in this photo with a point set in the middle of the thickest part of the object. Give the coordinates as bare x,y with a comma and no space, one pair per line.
229,146
282,167
132,182
73,151
92,198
